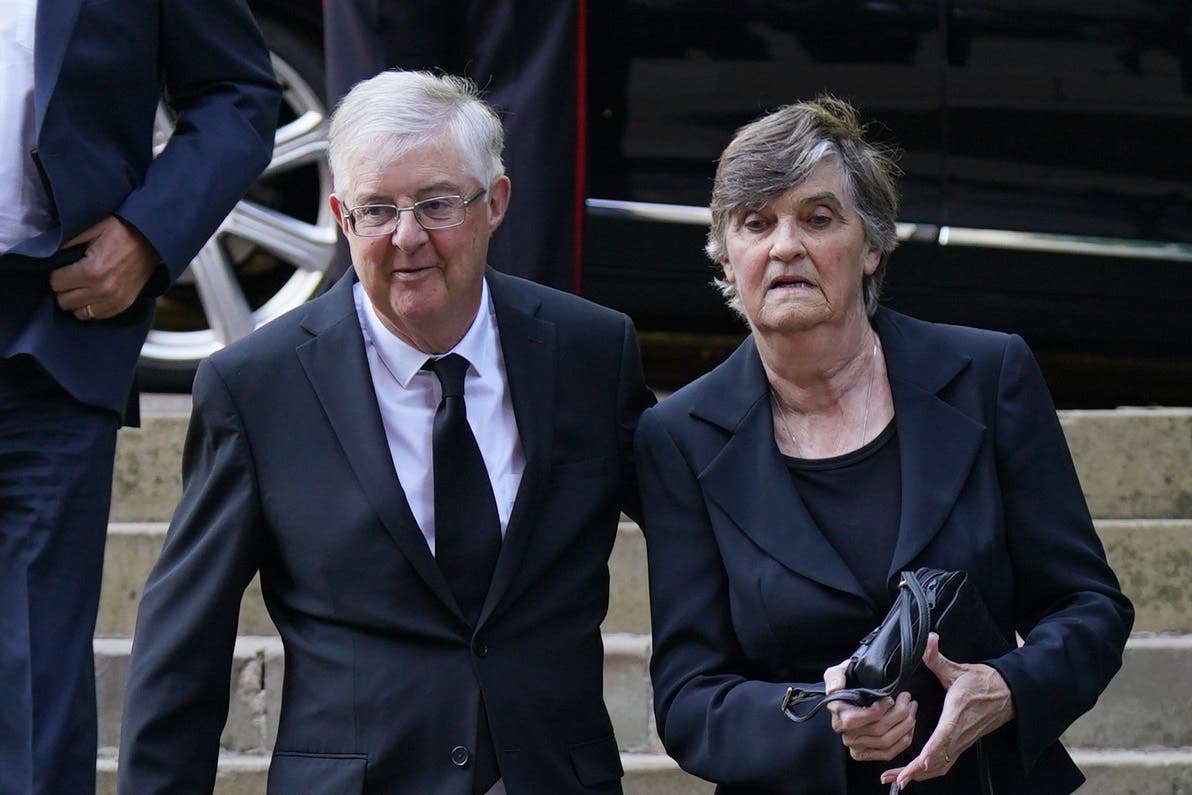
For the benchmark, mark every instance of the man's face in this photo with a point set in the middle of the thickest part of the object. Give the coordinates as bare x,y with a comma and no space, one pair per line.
425,285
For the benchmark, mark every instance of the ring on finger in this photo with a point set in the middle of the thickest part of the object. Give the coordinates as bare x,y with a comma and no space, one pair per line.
90,314
947,759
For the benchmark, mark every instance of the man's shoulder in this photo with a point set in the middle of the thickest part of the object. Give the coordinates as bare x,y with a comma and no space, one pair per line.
270,346
554,305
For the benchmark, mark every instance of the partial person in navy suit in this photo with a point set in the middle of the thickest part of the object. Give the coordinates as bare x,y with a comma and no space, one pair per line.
529,57
841,444
426,466
91,229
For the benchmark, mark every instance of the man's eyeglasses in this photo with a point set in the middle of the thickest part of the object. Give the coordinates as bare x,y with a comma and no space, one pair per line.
437,212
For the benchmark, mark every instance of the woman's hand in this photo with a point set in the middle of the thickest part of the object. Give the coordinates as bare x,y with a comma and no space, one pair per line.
880,731
977,703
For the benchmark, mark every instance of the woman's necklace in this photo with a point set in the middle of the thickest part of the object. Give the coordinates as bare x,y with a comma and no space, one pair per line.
781,408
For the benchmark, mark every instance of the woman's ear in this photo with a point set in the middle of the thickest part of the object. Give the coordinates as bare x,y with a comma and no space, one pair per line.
873,258
730,275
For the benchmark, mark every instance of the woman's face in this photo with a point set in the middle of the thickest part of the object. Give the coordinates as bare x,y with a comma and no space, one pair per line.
798,261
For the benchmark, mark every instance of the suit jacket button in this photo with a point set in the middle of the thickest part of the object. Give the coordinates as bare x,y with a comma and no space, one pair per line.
459,756
480,648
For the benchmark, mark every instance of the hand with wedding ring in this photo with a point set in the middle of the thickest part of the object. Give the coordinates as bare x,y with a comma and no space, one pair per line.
110,275
978,702
879,732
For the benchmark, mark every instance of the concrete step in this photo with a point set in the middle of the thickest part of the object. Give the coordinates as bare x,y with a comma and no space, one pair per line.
133,547
1153,772
1148,704
1133,463
244,774
1153,560
256,682
147,480
1152,557
1160,771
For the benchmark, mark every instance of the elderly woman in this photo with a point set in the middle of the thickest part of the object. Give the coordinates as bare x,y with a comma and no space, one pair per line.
841,444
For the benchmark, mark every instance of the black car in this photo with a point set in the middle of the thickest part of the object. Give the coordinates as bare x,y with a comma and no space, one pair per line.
1046,190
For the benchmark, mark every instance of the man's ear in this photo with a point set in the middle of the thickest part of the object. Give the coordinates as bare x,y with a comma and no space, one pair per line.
338,210
498,201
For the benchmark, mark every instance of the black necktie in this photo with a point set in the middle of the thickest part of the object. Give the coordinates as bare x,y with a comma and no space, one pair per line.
467,528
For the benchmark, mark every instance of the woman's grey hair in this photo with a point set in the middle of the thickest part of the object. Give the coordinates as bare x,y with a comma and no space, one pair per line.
384,117
777,152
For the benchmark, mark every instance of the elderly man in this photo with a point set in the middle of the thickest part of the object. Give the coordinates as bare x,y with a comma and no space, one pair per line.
426,466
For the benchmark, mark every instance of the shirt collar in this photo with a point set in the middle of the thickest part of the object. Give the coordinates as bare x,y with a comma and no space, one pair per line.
478,345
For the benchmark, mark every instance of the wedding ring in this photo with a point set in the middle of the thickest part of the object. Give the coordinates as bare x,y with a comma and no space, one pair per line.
90,314
947,759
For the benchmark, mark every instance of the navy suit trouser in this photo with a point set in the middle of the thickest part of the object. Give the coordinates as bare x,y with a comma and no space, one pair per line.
55,492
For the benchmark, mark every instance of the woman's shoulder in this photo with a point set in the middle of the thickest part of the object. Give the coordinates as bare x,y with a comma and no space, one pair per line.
923,335
724,391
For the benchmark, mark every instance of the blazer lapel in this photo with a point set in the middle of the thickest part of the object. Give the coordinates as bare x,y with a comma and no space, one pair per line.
55,23
937,443
749,480
337,366
528,348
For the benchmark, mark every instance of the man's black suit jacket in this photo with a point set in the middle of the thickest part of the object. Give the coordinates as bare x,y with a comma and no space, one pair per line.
748,596
287,472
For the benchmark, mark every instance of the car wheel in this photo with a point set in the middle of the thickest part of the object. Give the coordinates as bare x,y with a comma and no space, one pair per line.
273,252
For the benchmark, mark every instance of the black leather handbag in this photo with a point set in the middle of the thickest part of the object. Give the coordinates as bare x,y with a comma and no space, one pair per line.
889,659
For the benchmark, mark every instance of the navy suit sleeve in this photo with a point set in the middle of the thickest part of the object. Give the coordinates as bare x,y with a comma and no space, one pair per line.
713,718
1068,605
178,684
218,80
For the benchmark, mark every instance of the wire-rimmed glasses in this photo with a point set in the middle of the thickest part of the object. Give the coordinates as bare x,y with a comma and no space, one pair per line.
437,212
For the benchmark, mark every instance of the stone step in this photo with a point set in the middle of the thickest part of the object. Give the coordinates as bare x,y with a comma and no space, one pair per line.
1152,557
244,774
1153,561
1161,771
1148,704
1133,463
133,548
147,479
1152,772
256,681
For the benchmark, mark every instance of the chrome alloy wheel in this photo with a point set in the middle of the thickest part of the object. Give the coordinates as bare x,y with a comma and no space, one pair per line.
272,253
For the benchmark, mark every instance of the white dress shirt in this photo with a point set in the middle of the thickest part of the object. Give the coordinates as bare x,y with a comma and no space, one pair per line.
408,397
24,213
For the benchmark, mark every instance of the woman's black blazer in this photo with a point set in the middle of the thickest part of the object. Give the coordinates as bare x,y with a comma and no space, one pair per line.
748,596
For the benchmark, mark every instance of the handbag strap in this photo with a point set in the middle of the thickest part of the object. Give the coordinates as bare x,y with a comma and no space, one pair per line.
802,701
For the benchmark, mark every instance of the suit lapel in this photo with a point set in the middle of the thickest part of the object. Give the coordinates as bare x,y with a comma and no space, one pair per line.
749,480
937,443
53,32
337,366
528,348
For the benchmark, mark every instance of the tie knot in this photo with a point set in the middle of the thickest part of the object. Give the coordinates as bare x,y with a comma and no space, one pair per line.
451,370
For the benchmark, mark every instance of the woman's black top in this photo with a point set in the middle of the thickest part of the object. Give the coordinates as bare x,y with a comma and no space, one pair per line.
855,499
